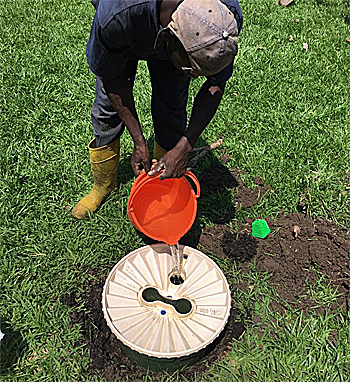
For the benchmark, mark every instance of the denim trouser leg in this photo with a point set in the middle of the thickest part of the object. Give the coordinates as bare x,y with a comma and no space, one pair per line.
169,100
107,125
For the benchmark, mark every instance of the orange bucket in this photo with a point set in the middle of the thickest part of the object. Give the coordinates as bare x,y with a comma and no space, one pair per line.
164,210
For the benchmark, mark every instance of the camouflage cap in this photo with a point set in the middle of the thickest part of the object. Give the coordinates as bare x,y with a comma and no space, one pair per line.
208,32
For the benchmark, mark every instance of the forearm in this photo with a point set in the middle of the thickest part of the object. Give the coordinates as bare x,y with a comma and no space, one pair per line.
204,108
119,92
205,105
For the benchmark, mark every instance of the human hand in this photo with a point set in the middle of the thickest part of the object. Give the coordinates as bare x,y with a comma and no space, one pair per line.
140,159
174,162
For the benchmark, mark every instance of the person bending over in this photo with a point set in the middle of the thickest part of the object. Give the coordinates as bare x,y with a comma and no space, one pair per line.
179,40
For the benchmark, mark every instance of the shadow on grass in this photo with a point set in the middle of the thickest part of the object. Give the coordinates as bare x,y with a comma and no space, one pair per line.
12,347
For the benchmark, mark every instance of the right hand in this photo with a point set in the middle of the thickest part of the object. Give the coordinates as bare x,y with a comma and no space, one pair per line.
174,162
140,159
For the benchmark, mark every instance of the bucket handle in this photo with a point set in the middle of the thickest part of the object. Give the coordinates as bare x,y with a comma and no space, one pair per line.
190,175
195,181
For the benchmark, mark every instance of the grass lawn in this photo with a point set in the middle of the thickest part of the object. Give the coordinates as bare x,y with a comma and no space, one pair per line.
285,116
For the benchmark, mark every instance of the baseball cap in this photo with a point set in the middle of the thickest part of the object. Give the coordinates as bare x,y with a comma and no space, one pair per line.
208,31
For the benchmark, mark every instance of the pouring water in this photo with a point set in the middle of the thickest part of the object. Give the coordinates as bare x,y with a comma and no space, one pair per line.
177,272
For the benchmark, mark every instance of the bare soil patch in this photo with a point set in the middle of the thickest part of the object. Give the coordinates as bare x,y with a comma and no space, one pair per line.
292,260
107,357
321,247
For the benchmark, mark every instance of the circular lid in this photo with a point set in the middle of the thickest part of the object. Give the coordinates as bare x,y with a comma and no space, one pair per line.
157,318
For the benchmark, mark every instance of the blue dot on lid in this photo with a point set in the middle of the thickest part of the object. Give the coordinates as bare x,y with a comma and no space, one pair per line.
163,312
170,296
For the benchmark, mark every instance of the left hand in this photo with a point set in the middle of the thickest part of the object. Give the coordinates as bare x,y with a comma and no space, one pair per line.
174,162
140,159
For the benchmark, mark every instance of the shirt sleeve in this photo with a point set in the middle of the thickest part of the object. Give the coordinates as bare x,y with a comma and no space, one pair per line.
222,76
106,49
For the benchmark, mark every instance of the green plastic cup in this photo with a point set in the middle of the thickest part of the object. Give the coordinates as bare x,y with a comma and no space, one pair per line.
260,228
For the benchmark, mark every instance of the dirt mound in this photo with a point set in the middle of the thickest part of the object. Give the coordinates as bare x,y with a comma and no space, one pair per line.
320,247
217,178
296,252
106,356
293,260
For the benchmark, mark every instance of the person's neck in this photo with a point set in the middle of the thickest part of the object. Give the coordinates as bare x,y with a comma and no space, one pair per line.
167,8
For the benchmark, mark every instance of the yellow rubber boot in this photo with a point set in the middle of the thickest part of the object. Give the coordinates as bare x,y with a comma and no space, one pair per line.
158,151
104,166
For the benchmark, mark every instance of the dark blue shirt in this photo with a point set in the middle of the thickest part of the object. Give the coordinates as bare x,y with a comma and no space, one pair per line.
127,29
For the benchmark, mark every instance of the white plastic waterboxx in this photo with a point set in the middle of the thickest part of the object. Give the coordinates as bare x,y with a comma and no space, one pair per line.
158,322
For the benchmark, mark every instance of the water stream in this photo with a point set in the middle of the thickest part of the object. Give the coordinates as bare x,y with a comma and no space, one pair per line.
177,271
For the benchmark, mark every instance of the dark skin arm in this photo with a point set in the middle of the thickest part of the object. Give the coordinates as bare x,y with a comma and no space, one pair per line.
207,101
119,91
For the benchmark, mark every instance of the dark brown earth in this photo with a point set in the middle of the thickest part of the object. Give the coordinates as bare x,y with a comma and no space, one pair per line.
318,247
106,356
298,249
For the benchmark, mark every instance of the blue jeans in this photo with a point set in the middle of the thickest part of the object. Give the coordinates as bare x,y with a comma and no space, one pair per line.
168,107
